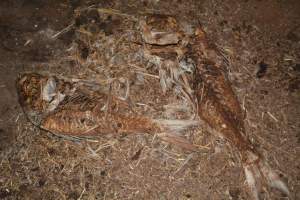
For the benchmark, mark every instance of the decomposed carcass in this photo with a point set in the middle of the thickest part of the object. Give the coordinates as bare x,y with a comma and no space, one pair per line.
219,107
216,103
71,108
186,62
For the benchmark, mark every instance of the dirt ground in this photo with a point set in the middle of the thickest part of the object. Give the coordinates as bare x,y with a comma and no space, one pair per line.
260,39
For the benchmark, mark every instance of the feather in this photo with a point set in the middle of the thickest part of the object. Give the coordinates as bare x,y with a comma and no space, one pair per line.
176,126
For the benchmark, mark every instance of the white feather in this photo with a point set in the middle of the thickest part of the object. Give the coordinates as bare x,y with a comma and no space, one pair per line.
176,125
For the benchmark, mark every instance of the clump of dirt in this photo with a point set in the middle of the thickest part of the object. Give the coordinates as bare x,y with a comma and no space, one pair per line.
96,40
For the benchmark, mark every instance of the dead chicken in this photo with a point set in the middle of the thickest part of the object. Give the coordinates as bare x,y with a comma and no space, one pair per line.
186,61
219,108
217,105
70,109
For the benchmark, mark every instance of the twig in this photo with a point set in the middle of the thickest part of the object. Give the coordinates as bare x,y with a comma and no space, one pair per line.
190,156
202,93
272,116
63,31
83,191
116,12
146,74
243,105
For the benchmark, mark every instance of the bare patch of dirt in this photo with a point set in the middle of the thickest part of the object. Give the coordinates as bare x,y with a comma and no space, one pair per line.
260,39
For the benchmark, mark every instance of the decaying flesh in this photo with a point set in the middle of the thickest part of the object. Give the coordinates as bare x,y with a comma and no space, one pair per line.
219,108
78,111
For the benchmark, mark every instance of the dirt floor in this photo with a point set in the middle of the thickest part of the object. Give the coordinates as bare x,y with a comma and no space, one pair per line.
260,39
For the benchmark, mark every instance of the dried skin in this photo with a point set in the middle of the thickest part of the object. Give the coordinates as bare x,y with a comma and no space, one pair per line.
71,122
86,123
211,71
211,111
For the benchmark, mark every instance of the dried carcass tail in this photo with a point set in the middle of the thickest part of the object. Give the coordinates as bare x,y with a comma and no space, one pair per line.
219,108
258,173
168,130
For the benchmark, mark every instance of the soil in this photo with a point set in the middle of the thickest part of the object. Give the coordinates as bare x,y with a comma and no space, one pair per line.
261,41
